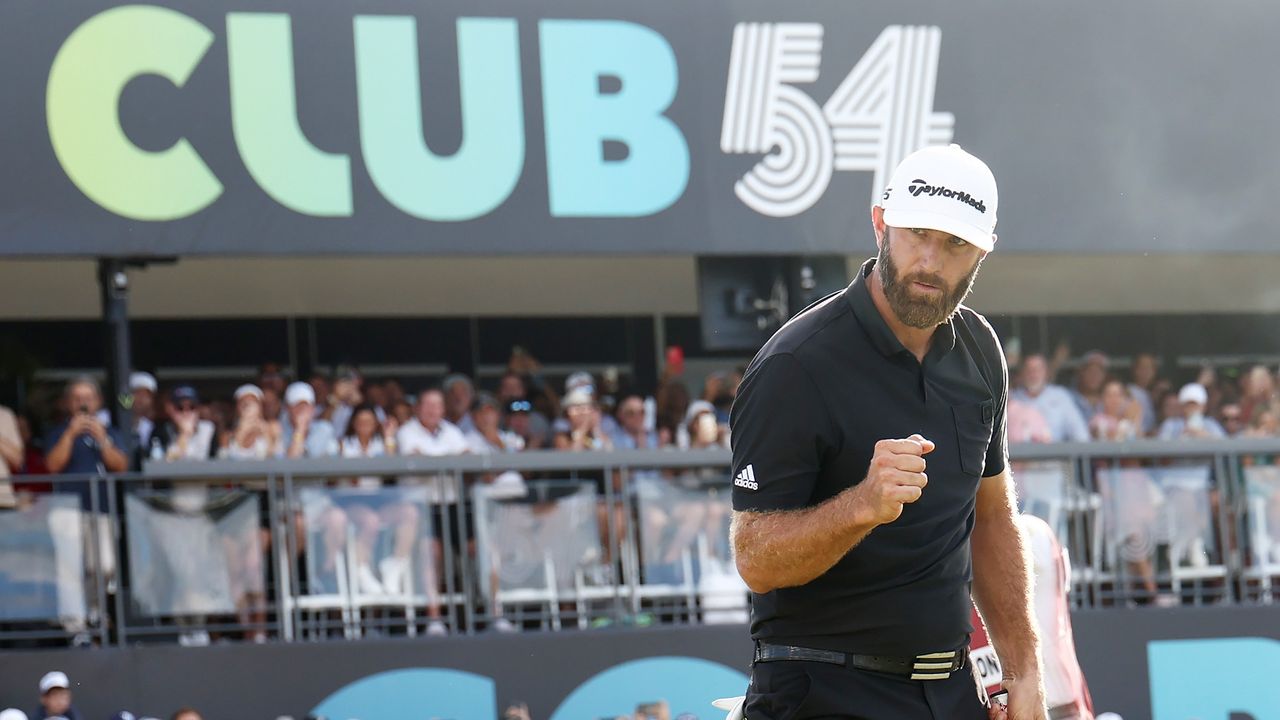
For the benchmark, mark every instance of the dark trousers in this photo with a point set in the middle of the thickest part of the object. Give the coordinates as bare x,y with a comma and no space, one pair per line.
798,690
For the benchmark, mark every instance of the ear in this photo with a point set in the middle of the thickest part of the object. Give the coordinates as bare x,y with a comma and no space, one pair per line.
877,224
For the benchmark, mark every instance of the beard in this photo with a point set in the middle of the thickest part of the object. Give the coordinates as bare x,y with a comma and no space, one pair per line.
920,311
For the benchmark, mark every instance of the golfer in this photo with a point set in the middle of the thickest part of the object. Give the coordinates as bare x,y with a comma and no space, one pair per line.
872,493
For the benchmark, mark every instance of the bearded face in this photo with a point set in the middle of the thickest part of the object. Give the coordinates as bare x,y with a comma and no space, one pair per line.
915,306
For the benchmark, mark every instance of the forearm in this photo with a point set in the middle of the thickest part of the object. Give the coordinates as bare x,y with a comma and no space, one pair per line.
113,458
792,547
56,459
1002,585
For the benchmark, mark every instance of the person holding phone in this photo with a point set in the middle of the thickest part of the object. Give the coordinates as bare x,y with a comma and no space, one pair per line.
871,487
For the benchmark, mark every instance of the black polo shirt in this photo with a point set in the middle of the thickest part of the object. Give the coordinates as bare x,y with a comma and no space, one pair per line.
814,402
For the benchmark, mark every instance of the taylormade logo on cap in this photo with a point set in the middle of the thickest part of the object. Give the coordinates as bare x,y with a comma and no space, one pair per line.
946,189
919,186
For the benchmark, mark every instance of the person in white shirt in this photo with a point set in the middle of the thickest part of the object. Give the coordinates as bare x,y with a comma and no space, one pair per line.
430,434
1054,402
255,435
190,438
143,387
370,510
488,436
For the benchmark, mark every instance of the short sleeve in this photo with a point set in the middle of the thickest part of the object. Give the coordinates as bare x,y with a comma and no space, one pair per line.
998,449
780,431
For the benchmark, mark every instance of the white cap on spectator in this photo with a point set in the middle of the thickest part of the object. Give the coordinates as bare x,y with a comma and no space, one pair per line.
577,396
55,679
248,389
299,392
12,714
696,408
943,188
580,379
1193,393
142,381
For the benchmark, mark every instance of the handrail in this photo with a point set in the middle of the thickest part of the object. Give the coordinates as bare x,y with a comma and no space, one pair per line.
538,460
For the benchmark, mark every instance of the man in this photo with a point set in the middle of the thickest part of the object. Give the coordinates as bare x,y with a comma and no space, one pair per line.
55,698
459,395
632,433
1054,402
143,387
430,434
186,714
304,434
861,575
1193,397
82,444
1090,378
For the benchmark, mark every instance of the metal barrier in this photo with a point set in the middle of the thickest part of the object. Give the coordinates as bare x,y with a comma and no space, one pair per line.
327,548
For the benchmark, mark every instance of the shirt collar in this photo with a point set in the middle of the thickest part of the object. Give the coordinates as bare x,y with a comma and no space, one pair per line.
869,317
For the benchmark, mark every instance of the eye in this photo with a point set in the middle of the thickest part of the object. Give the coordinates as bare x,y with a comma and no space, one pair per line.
957,242
918,231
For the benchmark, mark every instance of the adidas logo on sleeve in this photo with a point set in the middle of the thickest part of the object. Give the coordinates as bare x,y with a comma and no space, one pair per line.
747,479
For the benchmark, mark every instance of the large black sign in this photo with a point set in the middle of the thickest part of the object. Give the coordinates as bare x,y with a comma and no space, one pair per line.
722,127
1164,664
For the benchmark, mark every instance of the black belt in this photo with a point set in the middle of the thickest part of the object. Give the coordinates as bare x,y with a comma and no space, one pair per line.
929,666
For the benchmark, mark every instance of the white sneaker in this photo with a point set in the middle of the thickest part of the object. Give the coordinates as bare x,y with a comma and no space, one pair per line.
504,625
368,582
200,638
395,574
435,628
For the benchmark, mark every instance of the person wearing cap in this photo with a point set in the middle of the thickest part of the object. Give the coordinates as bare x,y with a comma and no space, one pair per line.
1193,423
186,436
254,434
55,698
487,435
871,489
143,387
304,434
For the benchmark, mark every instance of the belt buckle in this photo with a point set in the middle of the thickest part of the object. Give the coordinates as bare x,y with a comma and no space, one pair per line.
934,666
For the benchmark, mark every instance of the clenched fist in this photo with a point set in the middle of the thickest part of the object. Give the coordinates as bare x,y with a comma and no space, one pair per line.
896,477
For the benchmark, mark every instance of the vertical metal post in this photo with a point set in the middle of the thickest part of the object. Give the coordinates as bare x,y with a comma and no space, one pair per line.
113,282
113,519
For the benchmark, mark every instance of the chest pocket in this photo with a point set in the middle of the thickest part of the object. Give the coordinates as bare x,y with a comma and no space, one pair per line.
973,434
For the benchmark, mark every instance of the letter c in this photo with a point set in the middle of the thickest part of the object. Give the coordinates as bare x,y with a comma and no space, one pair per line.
82,100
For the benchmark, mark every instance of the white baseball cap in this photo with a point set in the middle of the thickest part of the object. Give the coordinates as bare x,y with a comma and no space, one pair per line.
943,188
12,714
143,381
299,392
248,389
55,679
1193,392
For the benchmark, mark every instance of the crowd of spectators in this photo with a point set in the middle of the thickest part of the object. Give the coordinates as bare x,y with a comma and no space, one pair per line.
1102,402
347,415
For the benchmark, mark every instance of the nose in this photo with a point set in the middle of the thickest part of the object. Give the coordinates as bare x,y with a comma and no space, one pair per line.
930,255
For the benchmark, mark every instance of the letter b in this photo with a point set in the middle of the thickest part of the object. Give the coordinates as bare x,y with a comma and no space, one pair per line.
580,118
